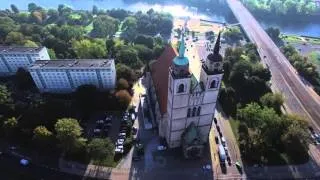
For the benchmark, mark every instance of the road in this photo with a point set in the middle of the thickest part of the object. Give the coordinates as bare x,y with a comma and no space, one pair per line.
299,98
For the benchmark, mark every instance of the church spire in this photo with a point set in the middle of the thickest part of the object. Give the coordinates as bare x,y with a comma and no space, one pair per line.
182,47
217,45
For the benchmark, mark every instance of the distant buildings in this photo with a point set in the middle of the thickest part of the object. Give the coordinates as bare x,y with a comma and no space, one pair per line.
63,76
11,58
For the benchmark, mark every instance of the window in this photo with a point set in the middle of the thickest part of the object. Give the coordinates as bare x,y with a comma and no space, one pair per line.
181,88
199,110
213,84
194,111
189,112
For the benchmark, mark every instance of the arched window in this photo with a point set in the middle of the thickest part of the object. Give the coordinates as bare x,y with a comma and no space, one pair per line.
199,110
194,111
189,112
213,84
181,88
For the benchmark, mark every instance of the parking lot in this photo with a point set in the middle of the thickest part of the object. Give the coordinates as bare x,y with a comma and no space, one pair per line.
114,125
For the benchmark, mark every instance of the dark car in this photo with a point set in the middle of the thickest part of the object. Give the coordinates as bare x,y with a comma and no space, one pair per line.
229,160
218,128
215,120
217,139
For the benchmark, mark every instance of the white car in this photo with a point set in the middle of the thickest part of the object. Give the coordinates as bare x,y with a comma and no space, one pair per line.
120,141
118,150
223,141
122,134
161,148
97,130
24,162
100,122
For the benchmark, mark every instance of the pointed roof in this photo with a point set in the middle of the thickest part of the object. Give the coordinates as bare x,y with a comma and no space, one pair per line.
181,60
216,56
217,45
182,47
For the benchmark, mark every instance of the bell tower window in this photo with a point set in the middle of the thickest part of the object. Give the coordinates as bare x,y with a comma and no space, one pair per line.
181,88
194,111
213,84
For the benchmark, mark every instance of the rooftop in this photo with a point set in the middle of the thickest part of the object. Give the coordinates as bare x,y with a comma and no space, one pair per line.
72,63
160,74
19,49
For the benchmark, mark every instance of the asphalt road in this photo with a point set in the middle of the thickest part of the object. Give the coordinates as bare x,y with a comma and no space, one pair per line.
300,98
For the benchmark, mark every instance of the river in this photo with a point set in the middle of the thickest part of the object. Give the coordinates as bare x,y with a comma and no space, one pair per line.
310,29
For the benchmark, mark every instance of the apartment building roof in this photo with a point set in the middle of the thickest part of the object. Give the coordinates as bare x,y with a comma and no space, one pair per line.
19,49
72,63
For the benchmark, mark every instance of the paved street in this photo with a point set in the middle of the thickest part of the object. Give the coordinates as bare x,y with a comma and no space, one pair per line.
300,98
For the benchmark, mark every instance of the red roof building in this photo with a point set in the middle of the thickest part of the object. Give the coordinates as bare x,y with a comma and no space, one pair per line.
160,73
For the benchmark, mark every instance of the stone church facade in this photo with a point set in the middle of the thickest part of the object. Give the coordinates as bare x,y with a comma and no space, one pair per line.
178,99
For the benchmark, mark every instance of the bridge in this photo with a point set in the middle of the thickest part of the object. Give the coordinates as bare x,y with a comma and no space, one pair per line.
299,97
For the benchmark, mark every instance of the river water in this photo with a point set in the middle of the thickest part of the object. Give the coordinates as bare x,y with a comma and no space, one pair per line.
311,29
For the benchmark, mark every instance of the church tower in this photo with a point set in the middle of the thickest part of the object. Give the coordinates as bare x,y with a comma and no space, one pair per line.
178,97
211,77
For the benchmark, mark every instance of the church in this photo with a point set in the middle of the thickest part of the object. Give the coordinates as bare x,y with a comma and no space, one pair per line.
183,104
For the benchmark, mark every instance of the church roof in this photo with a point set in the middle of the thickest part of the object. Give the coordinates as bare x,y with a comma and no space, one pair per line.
192,135
196,86
160,74
215,56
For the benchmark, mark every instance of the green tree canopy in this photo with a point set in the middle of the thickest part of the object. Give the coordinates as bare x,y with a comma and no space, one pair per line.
122,84
101,149
274,101
7,25
5,95
89,49
29,43
124,98
42,134
16,38
129,57
105,26
68,132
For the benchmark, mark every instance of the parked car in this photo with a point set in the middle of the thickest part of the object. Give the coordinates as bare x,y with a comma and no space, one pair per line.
24,162
118,150
161,148
223,141
218,128
134,130
120,141
215,120
99,121
217,139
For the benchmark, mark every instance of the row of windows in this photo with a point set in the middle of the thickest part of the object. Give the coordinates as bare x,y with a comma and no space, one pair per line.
195,112
214,84
19,55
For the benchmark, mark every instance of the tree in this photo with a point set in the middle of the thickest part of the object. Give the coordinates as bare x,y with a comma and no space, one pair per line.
110,47
120,14
86,96
10,125
68,33
95,9
105,26
15,38
7,25
14,9
89,49
52,54
32,7
274,33
101,149
68,132
122,84
129,57
233,34
144,53
129,22
144,40
274,101
42,135
125,72
29,43
5,95
23,79
124,98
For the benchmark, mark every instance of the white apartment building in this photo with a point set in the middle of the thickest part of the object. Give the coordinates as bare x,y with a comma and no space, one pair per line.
12,58
66,75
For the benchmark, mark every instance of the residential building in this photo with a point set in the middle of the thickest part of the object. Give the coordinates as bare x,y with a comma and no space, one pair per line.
183,102
13,58
66,75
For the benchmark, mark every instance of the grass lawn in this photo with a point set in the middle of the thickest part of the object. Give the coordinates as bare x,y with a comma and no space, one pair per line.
314,56
75,16
89,28
234,126
291,38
